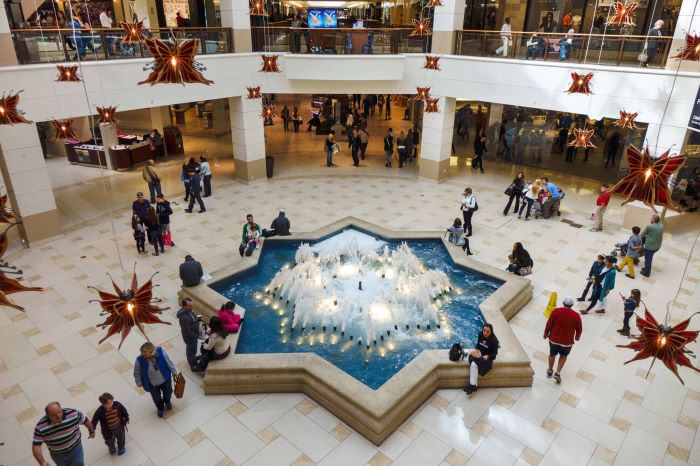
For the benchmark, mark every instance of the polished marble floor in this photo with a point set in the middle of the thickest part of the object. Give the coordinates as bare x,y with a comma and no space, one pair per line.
604,412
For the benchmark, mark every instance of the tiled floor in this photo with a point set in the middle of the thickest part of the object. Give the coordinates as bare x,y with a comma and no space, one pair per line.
602,413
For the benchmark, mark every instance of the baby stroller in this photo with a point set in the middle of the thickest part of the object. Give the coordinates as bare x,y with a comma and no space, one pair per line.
544,209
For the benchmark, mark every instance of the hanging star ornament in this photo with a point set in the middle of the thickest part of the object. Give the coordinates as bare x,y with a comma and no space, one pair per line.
269,64
423,92
67,74
626,120
664,342
434,3
691,50
269,111
6,214
174,64
133,32
431,105
421,27
623,14
254,92
10,285
128,308
647,178
257,8
106,115
431,63
582,138
9,113
580,84
63,128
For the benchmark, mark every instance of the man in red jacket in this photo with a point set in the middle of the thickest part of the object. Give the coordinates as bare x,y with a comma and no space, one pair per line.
563,326
601,204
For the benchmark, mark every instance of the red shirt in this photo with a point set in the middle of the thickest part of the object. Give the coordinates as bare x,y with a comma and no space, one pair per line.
603,199
563,326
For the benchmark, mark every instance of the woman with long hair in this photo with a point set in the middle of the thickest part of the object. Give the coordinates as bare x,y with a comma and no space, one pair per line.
631,304
515,191
481,359
216,346
531,193
155,234
520,260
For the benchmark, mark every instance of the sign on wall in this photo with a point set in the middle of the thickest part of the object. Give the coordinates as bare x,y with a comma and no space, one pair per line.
694,122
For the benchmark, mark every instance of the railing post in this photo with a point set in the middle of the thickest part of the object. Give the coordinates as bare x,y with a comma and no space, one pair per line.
484,44
619,52
105,43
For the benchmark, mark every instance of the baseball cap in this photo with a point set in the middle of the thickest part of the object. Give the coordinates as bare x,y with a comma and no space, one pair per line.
568,301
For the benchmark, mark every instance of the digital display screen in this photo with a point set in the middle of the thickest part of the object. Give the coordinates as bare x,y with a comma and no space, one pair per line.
323,18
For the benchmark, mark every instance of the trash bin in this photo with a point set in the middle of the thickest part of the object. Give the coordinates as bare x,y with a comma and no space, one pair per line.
269,165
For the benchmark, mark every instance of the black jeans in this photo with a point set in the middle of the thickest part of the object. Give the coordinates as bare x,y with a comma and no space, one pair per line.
157,239
355,158
191,352
626,321
529,203
363,149
516,196
467,214
596,295
585,290
195,196
117,437
161,394
141,244
207,185
296,126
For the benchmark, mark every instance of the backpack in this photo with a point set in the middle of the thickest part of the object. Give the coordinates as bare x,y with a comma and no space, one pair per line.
456,353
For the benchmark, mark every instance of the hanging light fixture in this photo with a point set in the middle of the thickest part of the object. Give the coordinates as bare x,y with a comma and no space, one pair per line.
176,66
431,63
431,105
254,92
106,115
269,64
647,178
582,138
9,113
434,3
423,92
10,285
626,120
691,50
67,74
133,32
63,128
421,27
622,15
269,111
580,84
257,8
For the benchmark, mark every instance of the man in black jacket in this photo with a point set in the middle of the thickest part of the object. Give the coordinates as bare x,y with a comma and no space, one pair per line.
354,145
195,190
280,225
388,147
596,268
189,326
190,272
479,149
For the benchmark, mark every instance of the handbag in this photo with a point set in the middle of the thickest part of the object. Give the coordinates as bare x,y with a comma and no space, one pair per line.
179,389
643,57
525,271
509,190
335,149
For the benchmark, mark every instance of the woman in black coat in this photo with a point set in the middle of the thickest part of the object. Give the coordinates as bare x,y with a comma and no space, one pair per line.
481,363
515,191
519,259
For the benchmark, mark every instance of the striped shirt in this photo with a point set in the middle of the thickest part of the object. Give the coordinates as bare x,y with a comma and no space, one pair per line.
113,419
63,436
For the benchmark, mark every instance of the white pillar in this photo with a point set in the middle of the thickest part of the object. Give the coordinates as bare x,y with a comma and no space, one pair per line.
235,14
108,133
447,20
662,137
222,125
27,182
160,118
436,142
7,49
248,136
688,21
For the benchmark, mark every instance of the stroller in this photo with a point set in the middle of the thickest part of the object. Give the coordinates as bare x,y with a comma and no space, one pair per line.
544,210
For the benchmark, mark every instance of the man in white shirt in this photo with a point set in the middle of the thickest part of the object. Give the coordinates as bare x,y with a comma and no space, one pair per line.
505,38
106,21
468,209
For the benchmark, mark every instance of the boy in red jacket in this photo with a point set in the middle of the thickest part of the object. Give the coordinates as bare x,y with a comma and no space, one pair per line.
563,326
113,418
601,203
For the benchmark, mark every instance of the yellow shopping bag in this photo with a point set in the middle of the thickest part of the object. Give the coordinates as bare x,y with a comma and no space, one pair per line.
551,304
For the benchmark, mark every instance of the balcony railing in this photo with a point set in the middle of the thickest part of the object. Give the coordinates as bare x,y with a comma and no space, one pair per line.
63,45
344,41
604,49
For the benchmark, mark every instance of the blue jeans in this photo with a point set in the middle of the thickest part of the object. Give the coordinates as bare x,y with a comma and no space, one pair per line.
191,352
73,457
648,257
248,248
563,52
388,153
329,157
154,188
161,394
207,185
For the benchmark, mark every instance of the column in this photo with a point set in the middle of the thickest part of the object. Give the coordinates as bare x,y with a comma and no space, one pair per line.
436,142
688,21
222,125
447,20
27,182
662,137
235,14
7,49
108,133
160,118
248,136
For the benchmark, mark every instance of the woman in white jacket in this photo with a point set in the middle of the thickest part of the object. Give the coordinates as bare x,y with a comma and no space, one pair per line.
531,192
216,346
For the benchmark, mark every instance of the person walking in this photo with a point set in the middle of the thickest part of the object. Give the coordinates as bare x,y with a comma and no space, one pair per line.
205,173
506,38
195,190
189,328
59,429
596,268
469,206
112,418
164,212
388,107
158,141
604,284
630,305
331,149
601,205
191,272
139,233
154,371
409,144
652,44
155,234
364,140
530,194
401,148
184,177
388,147
481,359
563,327
355,144
380,102
613,146
634,244
652,237
479,149
296,119
515,191
349,124
284,114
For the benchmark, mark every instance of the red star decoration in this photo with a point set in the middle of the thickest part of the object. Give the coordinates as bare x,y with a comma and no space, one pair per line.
270,64
431,105
133,32
431,63
128,308
67,74
434,3
626,120
421,27
63,128
10,285
647,179
6,214
691,51
423,92
269,111
254,92
257,8
580,84
106,115
582,138
623,14
176,65
9,113
663,342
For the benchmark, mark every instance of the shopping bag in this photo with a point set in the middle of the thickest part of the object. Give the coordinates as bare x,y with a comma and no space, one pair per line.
179,389
551,304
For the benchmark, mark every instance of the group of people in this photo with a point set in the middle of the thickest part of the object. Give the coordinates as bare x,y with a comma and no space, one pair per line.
152,222
252,234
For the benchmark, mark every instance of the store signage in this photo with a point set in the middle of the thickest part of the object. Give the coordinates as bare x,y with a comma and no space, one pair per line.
694,122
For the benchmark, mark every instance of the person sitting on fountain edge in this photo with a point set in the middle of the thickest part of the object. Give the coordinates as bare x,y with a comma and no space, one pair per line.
280,226
247,246
481,359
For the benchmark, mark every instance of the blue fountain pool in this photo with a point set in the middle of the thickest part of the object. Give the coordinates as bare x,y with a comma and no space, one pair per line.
267,327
